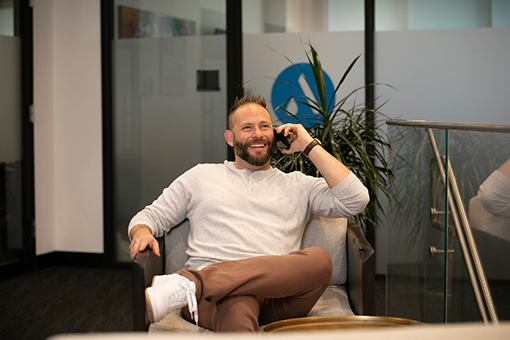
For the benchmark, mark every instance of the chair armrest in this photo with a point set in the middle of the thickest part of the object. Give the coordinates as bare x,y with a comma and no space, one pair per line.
144,267
360,272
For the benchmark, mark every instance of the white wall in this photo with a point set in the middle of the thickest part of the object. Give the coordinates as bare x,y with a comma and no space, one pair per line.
67,128
44,139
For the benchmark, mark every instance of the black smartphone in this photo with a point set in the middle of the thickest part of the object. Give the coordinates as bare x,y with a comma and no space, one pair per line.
281,141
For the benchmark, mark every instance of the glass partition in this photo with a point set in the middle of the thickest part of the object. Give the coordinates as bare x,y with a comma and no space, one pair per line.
169,99
410,276
475,156
11,158
446,252
280,16
444,14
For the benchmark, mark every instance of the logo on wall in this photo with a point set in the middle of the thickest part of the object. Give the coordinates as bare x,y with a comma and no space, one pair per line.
288,85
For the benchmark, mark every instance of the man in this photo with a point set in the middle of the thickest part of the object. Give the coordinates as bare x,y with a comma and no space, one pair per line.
247,220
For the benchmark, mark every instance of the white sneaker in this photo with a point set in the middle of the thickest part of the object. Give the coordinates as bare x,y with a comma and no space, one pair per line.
169,293
158,280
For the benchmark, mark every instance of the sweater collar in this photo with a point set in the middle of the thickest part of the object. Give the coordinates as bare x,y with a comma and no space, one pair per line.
260,173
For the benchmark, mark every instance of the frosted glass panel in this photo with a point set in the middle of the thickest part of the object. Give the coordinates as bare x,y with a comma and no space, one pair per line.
163,123
7,18
438,289
440,14
299,16
11,226
10,99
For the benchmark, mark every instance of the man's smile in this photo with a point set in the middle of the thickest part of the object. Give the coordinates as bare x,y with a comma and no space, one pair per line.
258,146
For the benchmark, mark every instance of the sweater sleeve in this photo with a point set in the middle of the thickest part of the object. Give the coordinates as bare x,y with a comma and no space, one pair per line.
346,199
352,194
167,211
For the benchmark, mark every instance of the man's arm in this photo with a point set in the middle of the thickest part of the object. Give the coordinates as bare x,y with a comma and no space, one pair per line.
141,238
333,171
164,213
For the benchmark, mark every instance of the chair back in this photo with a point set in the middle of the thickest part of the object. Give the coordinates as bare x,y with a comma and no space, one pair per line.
328,234
176,244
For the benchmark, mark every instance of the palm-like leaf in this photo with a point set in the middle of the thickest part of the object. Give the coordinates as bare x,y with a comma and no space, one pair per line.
344,133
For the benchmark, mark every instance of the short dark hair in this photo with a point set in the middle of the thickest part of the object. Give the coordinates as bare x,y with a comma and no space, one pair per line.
248,99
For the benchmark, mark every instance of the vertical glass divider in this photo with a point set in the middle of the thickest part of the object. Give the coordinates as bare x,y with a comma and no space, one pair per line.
444,172
445,269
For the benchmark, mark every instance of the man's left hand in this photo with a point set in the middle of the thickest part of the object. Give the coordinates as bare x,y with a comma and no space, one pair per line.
297,134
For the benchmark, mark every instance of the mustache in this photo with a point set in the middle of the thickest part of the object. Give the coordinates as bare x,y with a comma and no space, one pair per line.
259,141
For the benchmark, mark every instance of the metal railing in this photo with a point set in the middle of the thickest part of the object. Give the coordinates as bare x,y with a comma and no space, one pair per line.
450,126
455,204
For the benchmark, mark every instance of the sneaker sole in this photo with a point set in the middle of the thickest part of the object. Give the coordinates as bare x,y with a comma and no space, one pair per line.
148,306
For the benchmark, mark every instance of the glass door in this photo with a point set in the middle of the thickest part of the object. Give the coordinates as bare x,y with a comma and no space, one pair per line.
438,235
15,163
169,99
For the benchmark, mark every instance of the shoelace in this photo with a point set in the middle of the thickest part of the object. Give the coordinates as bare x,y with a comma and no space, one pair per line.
192,301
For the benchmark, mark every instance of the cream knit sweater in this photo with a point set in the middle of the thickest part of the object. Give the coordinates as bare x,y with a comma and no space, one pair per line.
236,214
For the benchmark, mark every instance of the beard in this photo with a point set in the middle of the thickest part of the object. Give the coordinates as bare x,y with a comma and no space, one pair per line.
241,150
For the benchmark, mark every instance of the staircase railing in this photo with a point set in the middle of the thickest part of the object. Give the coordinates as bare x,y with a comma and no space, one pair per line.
457,212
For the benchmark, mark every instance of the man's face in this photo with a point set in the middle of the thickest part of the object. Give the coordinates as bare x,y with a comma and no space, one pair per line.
253,138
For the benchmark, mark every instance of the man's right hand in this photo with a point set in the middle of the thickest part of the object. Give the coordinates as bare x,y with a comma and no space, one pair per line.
141,238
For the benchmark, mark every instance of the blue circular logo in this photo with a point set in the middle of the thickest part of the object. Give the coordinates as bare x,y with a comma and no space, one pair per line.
287,88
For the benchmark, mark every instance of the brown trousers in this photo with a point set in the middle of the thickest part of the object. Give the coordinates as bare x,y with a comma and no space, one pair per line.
236,296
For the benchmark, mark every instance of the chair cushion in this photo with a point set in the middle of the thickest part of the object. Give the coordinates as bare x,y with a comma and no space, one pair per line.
174,322
329,234
334,301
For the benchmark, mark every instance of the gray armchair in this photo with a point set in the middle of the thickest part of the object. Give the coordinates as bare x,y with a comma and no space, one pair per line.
351,290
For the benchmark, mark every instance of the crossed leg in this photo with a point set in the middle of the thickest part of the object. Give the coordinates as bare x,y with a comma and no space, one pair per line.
240,295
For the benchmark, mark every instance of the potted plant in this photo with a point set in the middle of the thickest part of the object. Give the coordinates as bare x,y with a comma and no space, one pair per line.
345,133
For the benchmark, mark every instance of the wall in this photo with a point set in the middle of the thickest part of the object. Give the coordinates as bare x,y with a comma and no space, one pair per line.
67,128
68,98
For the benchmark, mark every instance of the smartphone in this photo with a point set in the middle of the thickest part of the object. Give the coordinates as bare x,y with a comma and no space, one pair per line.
281,141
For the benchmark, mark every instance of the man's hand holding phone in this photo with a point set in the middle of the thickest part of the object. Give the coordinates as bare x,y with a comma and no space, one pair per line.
297,134
281,141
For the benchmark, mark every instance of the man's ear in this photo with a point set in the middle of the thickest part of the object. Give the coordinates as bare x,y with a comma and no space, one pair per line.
229,137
